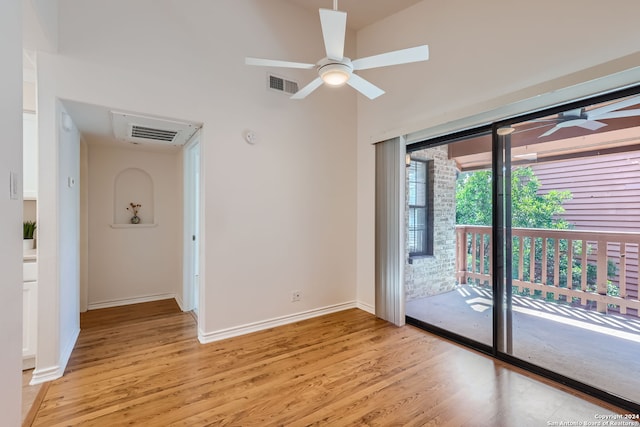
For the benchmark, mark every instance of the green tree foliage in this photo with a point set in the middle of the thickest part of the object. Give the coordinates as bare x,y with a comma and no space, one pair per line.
473,198
530,209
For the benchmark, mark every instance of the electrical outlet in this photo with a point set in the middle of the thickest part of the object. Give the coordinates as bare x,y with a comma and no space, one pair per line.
296,296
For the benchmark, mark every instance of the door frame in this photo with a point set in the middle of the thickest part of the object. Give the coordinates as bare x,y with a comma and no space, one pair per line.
192,223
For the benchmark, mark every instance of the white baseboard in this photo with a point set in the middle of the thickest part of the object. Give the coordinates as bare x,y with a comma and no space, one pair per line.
208,337
180,303
68,349
43,375
28,362
129,301
366,307
51,373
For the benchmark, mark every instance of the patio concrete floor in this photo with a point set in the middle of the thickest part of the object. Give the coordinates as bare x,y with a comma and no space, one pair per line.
594,348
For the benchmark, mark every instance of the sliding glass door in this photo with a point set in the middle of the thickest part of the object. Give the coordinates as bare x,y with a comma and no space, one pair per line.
523,242
572,217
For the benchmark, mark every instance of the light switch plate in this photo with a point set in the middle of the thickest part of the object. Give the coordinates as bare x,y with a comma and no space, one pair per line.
13,185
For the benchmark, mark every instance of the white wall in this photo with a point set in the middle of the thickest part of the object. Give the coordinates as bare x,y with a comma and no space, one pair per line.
133,264
58,236
84,226
279,215
69,232
483,54
11,213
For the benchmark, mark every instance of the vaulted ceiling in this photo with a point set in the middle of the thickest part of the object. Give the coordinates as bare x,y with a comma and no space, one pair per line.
360,13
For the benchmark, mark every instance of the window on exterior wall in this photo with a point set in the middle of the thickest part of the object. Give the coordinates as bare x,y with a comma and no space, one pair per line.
420,233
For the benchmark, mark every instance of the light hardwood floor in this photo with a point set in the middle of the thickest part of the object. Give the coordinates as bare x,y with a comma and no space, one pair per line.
142,365
32,396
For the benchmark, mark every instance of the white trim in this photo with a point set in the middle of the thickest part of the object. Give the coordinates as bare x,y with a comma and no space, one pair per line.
129,301
68,349
189,223
28,362
366,307
209,337
51,373
180,303
133,225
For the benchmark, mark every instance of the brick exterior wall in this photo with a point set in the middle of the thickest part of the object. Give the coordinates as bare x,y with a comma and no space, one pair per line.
431,275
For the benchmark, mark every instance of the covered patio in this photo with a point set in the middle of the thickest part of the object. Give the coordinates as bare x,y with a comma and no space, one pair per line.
595,348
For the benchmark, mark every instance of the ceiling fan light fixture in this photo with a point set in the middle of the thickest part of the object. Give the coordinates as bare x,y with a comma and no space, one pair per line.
335,74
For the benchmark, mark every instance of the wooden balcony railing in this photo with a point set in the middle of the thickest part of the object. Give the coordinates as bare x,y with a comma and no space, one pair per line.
585,267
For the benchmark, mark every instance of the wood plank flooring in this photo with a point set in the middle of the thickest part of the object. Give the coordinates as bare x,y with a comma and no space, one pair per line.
143,365
32,396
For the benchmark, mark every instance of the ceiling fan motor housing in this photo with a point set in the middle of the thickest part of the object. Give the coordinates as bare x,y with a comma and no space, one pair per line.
335,72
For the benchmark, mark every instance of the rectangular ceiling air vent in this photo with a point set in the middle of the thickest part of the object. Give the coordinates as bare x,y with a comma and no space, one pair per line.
138,129
281,84
152,133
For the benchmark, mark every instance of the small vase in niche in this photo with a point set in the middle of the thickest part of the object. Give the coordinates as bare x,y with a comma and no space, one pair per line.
134,208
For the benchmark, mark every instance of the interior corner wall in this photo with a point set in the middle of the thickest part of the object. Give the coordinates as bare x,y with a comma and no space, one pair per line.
483,55
130,263
11,212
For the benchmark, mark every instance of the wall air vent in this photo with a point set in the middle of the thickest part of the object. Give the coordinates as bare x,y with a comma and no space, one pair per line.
138,129
281,84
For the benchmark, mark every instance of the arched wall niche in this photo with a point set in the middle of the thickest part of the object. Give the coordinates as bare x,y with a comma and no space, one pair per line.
133,185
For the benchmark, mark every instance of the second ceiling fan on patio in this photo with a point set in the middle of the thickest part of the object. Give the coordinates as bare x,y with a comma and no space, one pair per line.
336,69
589,119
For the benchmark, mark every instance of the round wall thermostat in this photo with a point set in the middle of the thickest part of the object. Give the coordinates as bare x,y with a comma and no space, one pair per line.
250,137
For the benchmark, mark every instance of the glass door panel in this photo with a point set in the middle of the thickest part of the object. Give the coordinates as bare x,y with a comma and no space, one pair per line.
572,217
448,268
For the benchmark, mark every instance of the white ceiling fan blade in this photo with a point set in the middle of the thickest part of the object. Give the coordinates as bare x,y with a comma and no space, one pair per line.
596,113
302,93
591,125
550,131
403,56
334,26
276,63
369,90
619,114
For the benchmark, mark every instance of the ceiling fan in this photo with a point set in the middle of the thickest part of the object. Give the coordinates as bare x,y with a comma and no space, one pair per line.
588,119
336,69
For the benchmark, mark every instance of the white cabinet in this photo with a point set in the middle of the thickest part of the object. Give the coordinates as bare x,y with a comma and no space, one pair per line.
30,155
29,314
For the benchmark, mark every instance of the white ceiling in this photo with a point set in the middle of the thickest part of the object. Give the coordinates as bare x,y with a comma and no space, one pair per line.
360,13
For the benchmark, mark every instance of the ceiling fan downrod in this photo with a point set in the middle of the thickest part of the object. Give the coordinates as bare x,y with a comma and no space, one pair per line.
335,4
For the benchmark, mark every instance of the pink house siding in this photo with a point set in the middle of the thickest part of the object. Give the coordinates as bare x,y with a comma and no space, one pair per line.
606,197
